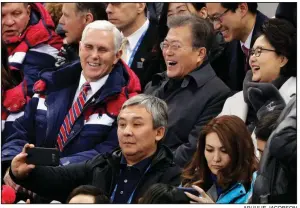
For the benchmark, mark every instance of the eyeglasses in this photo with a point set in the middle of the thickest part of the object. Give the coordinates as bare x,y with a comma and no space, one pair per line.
257,51
217,18
173,47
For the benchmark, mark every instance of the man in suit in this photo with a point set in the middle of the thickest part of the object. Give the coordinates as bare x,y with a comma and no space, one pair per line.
139,51
240,25
76,107
190,87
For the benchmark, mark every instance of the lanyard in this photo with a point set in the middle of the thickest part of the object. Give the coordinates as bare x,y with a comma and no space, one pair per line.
131,196
136,47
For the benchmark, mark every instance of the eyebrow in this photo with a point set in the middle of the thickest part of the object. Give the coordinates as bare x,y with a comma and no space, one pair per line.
133,118
172,41
214,147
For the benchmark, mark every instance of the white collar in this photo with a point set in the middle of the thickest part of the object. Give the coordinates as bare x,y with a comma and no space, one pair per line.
95,86
248,41
134,37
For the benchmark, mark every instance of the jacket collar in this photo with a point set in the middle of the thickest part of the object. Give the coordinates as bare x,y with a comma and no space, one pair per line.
163,153
69,74
260,19
199,76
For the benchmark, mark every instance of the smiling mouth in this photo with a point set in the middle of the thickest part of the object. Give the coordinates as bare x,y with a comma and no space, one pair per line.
93,65
171,63
255,68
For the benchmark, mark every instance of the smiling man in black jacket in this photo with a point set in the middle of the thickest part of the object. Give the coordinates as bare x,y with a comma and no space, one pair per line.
190,87
124,174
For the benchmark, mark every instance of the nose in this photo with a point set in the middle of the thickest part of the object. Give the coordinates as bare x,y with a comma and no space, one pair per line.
61,20
217,25
127,131
168,52
252,58
217,157
108,8
8,21
94,54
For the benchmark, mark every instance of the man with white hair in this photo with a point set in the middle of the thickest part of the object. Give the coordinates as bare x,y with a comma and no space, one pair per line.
77,109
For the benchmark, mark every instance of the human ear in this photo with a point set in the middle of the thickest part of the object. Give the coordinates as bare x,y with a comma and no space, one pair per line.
203,12
283,61
201,54
160,132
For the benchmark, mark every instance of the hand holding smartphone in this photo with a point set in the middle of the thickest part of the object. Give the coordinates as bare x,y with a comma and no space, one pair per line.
189,190
42,156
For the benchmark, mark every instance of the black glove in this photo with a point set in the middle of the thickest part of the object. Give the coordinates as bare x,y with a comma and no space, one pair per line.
264,98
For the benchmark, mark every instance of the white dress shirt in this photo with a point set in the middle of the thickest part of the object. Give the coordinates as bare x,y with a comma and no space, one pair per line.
133,39
95,86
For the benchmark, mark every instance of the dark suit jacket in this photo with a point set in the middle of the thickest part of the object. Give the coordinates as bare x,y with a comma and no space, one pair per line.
144,63
234,60
191,105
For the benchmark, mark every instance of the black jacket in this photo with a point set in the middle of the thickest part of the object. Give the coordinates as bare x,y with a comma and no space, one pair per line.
276,181
191,105
102,171
232,61
145,63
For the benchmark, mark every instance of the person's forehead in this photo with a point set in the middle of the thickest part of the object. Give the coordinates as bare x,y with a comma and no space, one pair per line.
7,7
176,5
95,34
135,112
177,34
70,7
214,8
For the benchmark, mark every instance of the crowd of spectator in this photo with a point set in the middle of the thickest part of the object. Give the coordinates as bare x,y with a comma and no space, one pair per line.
150,103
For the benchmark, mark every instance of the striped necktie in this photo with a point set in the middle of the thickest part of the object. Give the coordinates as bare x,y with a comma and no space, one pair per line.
246,53
74,112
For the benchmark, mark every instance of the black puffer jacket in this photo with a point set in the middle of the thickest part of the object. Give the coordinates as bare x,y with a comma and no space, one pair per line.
277,175
101,171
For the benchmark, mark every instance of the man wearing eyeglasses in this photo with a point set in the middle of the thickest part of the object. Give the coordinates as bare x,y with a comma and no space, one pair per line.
240,25
190,87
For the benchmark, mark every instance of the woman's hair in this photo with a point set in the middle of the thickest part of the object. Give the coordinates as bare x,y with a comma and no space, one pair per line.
163,28
235,138
8,80
282,35
99,195
55,11
164,194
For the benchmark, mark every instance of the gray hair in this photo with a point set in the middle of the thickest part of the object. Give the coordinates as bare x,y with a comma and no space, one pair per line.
202,30
105,26
155,106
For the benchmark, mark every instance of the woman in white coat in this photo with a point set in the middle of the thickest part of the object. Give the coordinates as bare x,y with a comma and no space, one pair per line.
271,83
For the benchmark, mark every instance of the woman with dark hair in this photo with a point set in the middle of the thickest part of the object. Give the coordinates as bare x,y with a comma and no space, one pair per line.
164,194
223,169
271,83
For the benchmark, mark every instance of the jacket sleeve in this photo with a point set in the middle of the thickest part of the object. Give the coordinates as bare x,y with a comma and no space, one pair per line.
104,147
283,145
36,60
24,132
184,152
56,182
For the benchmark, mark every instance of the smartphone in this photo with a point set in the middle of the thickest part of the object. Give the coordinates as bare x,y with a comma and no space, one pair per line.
42,156
189,190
